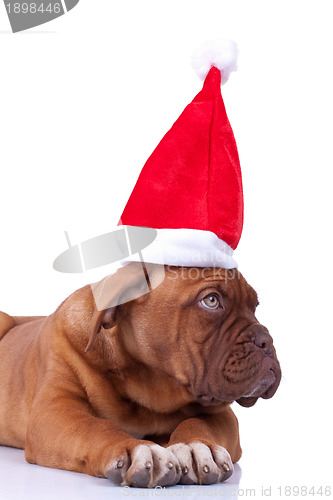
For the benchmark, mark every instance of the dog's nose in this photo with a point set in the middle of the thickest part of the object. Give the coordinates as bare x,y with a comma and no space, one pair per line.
262,339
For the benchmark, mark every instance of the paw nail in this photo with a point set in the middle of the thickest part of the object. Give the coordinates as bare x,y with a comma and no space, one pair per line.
226,467
206,469
148,465
170,465
120,464
177,469
185,470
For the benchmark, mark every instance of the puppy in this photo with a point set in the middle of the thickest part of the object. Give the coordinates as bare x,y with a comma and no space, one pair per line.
138,390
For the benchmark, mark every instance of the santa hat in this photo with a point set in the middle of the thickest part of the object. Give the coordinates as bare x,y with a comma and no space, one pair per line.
190,189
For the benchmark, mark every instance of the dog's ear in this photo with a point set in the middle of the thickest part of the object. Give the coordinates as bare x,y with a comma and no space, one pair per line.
100,319
128,283
6,323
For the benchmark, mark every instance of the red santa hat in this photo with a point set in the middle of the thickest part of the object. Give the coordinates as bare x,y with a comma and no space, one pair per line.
190,189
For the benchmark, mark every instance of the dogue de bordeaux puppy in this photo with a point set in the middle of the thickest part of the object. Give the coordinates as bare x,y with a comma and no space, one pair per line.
138,392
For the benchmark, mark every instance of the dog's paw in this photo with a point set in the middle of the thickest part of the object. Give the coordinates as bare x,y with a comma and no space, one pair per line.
201,464
146,466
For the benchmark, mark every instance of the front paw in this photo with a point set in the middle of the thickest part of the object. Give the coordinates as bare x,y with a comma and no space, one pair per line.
145,466
202,464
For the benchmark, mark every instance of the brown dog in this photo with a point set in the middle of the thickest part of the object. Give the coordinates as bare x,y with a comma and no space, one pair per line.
95,391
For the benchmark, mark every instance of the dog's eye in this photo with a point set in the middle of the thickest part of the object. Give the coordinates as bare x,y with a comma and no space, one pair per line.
211,302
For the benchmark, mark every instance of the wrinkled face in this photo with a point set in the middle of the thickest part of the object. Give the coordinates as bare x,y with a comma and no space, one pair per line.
199,326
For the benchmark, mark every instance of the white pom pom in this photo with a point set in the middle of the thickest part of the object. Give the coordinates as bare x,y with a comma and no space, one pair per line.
219,53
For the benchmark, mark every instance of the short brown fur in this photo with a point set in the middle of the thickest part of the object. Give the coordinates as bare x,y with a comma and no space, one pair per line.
76,386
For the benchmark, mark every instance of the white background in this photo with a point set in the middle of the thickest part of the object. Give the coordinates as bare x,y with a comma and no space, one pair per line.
83,102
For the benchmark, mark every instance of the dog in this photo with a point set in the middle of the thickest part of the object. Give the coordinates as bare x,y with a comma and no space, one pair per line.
138,390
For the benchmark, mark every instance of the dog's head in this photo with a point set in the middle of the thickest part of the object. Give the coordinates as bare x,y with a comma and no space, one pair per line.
199,327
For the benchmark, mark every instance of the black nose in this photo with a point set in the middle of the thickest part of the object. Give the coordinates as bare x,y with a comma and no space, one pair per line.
262,339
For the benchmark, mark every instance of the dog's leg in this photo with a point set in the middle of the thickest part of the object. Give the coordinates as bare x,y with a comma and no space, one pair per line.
206,447
64,433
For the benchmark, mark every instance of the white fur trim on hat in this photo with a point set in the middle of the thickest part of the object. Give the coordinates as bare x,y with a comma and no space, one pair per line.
186,248
219,53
